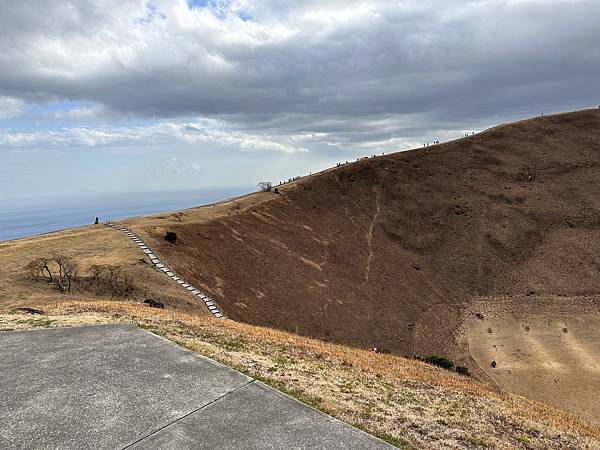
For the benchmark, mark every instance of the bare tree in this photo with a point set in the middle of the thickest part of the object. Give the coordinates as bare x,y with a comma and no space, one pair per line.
67,272
265,186
39,267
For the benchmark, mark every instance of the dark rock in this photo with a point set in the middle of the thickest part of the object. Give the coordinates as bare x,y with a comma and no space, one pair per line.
28,310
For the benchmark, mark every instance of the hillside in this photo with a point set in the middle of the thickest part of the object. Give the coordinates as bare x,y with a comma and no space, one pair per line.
393,252
479,249
88,246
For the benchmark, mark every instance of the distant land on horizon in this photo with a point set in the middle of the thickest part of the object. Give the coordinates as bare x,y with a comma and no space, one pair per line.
43,215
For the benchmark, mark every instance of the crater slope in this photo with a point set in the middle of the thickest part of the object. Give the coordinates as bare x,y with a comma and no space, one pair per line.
392,251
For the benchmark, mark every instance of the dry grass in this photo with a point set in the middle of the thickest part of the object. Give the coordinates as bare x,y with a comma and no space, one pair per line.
88,246
404,401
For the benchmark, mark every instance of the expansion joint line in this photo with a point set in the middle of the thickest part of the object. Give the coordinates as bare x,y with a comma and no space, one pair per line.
160,265
189,414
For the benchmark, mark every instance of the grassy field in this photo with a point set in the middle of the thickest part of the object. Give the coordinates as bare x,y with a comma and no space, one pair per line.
88,246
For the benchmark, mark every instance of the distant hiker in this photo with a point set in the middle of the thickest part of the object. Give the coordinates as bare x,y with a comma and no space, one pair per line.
97,221
494,364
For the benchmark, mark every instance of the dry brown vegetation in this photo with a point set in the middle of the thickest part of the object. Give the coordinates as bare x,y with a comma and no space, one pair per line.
420,252
108,266
404,401
389,252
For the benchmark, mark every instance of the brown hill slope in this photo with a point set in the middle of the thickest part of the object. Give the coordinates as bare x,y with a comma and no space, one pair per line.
388,251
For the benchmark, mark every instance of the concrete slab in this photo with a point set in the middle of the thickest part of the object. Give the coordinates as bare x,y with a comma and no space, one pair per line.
259,417
117,386
99,387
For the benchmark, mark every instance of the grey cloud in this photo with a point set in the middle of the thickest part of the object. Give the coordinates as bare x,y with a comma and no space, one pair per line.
340,71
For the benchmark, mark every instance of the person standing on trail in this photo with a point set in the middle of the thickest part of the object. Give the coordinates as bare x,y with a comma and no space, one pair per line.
97,221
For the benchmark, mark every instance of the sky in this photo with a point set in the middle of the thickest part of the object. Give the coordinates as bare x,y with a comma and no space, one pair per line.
146,95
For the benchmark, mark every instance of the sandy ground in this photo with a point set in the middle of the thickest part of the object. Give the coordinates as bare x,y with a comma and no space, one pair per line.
545,348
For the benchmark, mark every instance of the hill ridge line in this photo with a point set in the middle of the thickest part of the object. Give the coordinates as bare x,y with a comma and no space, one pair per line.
163,267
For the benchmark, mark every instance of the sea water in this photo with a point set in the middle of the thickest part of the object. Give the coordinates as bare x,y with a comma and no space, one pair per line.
28,217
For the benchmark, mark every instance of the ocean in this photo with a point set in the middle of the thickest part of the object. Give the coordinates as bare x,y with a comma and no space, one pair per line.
30,217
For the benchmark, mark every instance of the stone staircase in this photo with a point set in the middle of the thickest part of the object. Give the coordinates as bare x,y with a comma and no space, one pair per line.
209,302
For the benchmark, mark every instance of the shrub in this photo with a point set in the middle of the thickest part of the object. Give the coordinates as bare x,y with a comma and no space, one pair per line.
438,361
462,370
109,280
171,237
153,303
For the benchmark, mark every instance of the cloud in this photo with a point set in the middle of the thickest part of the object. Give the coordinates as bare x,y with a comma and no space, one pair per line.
277,74
165,133
81,113
10,107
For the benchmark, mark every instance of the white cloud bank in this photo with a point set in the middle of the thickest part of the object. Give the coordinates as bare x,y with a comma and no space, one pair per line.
207,132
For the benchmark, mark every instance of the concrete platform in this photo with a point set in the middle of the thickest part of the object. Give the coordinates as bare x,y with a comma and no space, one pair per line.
118,386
